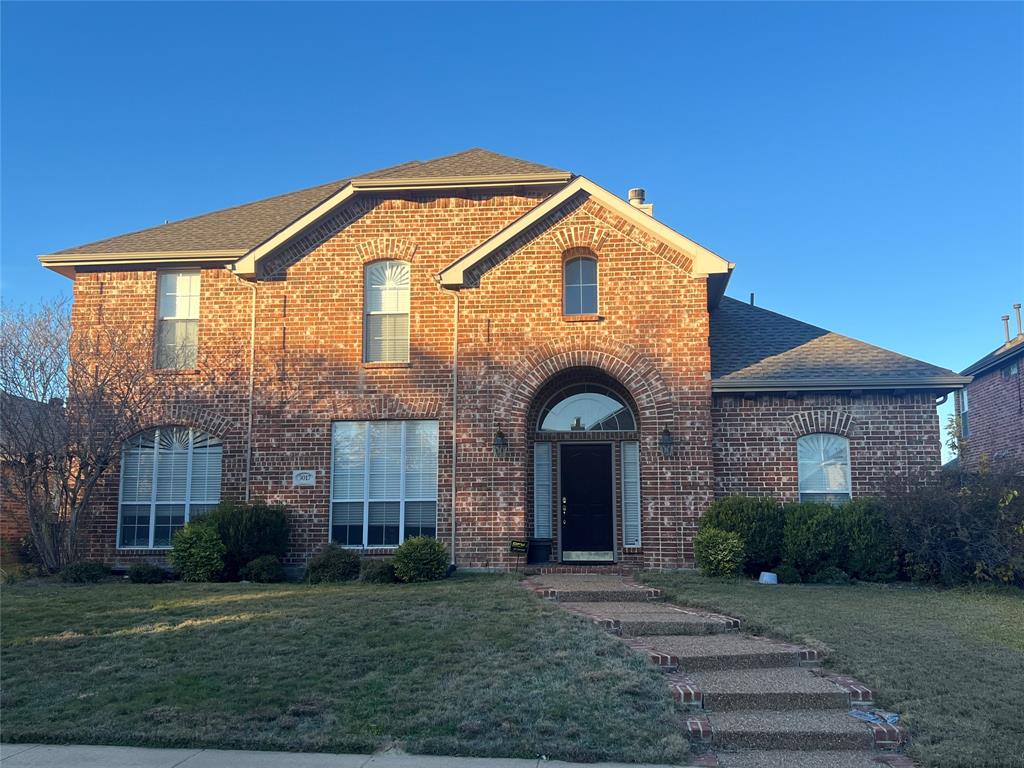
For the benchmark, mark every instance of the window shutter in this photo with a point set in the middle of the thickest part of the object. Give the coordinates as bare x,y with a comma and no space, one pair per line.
630,456
542,490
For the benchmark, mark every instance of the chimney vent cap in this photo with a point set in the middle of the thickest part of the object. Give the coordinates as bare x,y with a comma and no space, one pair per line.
637,193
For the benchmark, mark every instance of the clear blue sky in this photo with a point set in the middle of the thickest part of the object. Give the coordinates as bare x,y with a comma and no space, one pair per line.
862,164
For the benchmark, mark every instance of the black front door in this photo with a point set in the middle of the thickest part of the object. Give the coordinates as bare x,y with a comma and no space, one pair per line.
586,487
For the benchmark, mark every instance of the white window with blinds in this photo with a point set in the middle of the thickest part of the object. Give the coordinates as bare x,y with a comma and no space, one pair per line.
177,331
383,482
386,312
630,458
824,467
168,476
542,490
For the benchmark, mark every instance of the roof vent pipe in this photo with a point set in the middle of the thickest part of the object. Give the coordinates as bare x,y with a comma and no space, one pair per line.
637,197
1006,327
1016,308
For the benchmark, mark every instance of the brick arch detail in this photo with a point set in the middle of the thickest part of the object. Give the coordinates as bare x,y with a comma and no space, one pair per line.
634,371
579,237
385,406
189,415
380,248
831,421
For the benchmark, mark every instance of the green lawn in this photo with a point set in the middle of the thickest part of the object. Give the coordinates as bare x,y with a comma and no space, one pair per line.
951,662
473,665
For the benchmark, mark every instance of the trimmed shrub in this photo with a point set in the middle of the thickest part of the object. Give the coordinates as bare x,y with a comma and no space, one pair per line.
374,571
197,552
145,573
787,574
830,575
813,537
265,569
718,553
960,526
332,563
421,559
84,572
249,531
758,521
871,550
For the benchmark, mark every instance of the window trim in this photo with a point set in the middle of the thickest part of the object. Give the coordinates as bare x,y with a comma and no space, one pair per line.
569,259
367,313
366,500
849,469
965,407
160,319
188,502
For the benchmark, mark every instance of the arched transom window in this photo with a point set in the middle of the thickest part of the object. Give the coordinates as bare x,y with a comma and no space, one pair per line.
586,408
580,286
386,307
168,476
824,467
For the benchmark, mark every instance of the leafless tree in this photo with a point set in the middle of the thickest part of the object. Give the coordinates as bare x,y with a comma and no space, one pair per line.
69,400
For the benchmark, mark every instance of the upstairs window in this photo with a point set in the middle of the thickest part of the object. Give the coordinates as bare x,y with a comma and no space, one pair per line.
580,286
177,322
965,428
386,307
824,468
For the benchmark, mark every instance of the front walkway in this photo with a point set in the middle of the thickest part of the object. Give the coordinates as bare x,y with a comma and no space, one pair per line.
63,756
748,702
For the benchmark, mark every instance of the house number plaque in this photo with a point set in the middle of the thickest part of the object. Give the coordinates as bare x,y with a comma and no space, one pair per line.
304,477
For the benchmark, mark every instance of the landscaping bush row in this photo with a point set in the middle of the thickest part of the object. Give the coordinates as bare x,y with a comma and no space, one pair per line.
949,529
418,559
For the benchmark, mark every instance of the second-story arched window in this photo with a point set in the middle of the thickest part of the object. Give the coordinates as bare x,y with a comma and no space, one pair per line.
580,286
386,312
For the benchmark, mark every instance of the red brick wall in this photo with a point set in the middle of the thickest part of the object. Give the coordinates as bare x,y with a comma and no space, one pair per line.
996,419
755,439
650,336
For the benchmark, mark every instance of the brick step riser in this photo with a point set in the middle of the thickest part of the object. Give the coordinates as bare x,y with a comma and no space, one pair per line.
775,702
794,740
726,663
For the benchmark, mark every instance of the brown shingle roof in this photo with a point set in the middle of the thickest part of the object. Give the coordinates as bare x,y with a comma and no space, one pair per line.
754,348
243,227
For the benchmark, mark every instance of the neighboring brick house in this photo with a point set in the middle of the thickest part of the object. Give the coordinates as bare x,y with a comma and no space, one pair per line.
991,407
486,335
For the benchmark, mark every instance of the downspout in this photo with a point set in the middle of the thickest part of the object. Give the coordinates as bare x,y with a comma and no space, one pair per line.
252,377
455,401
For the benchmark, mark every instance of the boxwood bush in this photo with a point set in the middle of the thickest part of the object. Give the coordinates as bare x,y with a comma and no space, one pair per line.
377,571
145,573
84,572
718,553
332,563
249,531
265,569
758,521
813,538
871,550
421,559
197,552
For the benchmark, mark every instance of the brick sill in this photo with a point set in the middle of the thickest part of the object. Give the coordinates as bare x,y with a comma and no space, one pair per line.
582,318
176,371
374,366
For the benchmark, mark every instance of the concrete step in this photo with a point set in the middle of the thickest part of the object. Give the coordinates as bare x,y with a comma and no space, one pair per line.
792,729
631,619
590,589
735,651
773,689
772,758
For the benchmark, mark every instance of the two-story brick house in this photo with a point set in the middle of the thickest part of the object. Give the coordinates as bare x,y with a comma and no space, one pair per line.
481,349
991,407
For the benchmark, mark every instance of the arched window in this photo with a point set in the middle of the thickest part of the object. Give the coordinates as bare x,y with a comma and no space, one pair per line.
386,308
168,476
824,467
586,408
580,286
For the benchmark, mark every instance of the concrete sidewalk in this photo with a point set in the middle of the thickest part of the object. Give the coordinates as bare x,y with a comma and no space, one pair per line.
64,756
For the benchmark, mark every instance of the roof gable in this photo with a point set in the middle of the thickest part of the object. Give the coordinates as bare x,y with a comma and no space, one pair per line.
704,261
754,349
1007,351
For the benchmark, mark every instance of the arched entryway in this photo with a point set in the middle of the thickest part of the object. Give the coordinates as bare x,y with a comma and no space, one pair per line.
583,428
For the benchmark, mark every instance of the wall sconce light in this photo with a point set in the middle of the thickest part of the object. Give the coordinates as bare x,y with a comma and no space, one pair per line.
665,442
500,444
